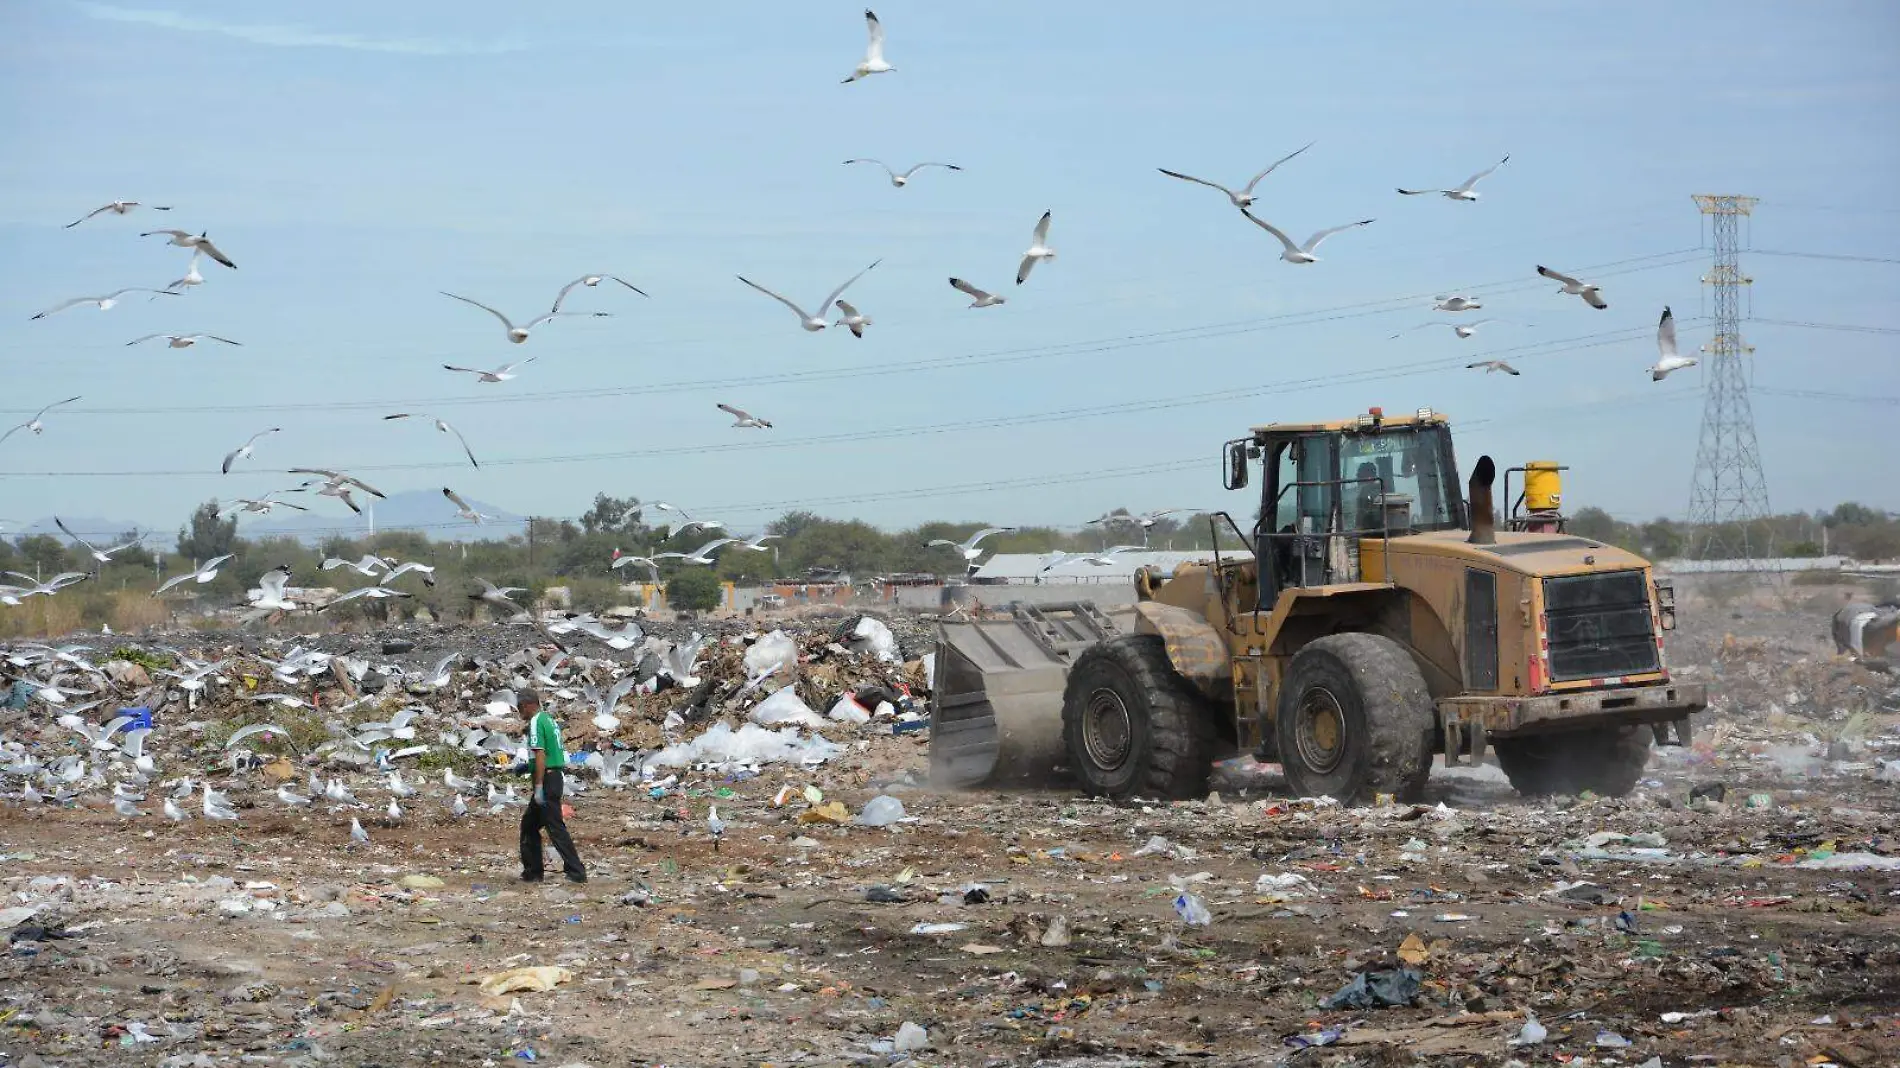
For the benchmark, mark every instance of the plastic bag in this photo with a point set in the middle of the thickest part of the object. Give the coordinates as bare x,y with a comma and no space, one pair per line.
770,655
1193,910
882,811
847,710
534,979
784,708
750,744
910,1037
877,638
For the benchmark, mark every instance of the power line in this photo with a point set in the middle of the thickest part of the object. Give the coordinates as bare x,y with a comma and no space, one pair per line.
1830,326
1823,256
1814,394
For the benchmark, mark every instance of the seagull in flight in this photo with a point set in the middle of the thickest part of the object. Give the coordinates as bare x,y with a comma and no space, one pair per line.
373,592
181,341
191,278
201,574
1466,191
441,425
117,207
1575,288
244,451
590,281
464,510
1145,522
48,588
103,556
263,505
34,423
495,595
1463,330
854,320
269,595
979,298
901,180
519,334
873,62
1493,366
500,374
745,418
194,241
1244,198
757,543
1300,253
691,523
1039,250
812,323
104,303
969,547
1666,344
337,484
644,561
701,555
1457,304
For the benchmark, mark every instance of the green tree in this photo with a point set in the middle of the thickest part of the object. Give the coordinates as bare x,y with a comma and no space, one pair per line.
696,589
137,556
208,535
613,514
46,555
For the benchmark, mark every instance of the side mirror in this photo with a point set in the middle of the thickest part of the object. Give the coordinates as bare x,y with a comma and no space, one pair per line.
1236,473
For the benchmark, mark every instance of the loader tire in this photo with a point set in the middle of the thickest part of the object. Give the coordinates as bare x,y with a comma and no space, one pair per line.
1133,726
1607,761
1355,720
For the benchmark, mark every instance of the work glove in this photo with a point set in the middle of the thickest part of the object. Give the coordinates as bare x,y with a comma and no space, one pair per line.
541,796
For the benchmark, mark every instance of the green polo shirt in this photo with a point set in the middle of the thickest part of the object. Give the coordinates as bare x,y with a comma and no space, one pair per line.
545,734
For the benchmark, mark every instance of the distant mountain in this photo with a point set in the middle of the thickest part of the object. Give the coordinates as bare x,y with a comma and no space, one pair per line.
424,510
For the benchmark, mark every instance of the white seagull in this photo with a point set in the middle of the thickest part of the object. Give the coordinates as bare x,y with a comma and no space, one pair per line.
359,836
903,179
194,241
813,323
244,451
104,303
181,341
1463,330
1666,343
1493,366
373,592
337,484
744,418
853,320
103,556
1039,250
590,281
519,334
269,595
291,798
757,544
980,298
1463,192
201,574
1457,304
443,426
691,523
701,555
873,62
1293,253
263,505
969,547
117,207
499,374
1244,198
1575,288
191,278
399,787
217,806
464,510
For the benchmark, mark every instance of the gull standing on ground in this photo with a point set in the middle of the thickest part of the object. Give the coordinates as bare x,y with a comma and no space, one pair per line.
1575,288
201,574
399,787
243,451
443,426
1039,250
173,812
217,806
1244,198
105,303
1463,192
701,555
745,418
499,374
464,511
337,484
181,341
981,298
901,180
191,278
853,319
590,281
813,323
117,207
194,241
1493,366
968,547
358,836
519,334
1666,344
1297,254
873,62
103,556
288,797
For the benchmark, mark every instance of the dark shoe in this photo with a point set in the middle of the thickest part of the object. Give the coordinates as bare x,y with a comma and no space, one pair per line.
577,878
530,878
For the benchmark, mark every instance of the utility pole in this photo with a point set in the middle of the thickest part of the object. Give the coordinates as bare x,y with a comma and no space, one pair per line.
530,541
1728,497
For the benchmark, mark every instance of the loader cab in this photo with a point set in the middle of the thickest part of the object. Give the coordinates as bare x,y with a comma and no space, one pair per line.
1326,486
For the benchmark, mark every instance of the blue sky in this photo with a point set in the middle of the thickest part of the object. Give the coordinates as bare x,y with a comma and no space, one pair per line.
356,158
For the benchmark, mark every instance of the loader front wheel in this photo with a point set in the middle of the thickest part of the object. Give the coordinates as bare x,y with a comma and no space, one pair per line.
1608,761
1135,728
1354,720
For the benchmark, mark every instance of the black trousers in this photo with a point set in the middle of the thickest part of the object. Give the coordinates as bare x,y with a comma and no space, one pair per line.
549,816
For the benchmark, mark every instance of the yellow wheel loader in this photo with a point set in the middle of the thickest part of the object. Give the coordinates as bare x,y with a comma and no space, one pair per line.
1379,618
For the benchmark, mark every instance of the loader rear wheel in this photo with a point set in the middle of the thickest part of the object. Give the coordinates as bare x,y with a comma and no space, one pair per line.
1608,761
1133,726
1354,720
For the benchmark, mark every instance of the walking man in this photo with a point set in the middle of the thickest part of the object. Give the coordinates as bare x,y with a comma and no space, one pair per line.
544,808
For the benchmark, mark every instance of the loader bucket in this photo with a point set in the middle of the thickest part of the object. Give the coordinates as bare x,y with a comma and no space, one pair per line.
997,718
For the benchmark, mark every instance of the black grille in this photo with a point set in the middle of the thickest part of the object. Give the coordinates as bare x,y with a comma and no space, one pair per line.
1599,626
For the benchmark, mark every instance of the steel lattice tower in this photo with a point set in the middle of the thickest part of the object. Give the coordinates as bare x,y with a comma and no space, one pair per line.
1728,498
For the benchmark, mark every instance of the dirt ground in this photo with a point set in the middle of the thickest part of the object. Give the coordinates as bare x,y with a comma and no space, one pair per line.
1759,929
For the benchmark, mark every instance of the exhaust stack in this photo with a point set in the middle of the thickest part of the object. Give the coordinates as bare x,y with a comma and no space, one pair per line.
1483,524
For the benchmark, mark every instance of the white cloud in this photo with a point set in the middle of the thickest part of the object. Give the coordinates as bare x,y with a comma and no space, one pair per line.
293,36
